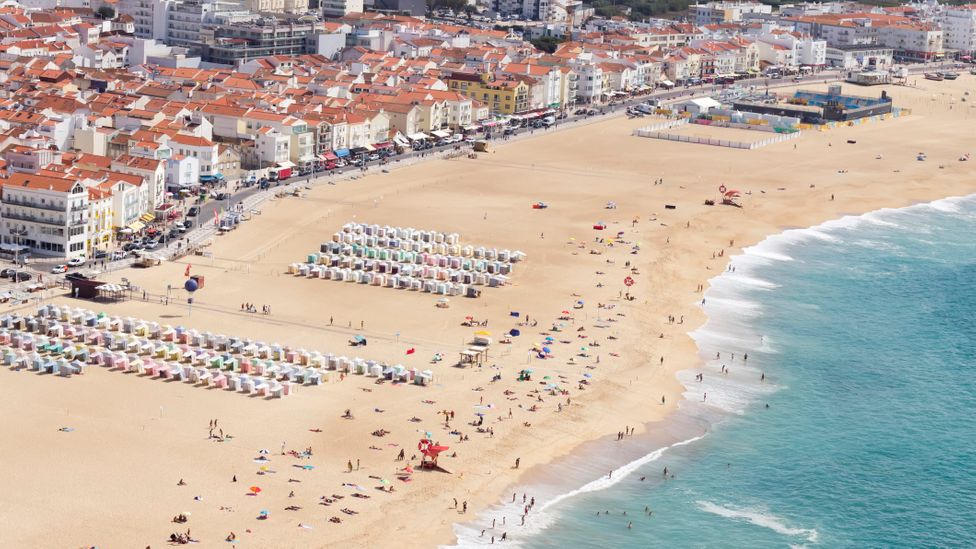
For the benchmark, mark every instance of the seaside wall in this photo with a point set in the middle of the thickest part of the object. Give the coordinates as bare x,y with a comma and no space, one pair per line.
779,137
662,125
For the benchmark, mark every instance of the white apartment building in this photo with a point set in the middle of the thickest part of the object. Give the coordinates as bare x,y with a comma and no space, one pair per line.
48,215
590,84
803,50
959,28
301,139
339,8
715,13
271,147
204,150
182,172
149,16
913,42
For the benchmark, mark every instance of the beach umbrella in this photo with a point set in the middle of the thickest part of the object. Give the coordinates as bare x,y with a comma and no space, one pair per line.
483,333
384,481
255,490
587,375
547,377
546,350
408,469
566,312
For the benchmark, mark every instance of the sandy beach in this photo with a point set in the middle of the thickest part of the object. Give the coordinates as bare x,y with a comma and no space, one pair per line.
112,481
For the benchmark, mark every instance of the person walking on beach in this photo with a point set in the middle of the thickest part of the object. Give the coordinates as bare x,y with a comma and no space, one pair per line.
517,461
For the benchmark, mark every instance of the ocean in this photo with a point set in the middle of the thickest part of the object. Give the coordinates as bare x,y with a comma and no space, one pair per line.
862,433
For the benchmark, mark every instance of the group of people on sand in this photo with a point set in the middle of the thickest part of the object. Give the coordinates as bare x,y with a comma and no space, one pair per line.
181,538
251,308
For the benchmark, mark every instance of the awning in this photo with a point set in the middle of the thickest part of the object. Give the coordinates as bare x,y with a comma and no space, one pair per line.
440,133
667,83
286,164
136,226
369,147
341,153
472,128
330,156
148,217
418,136
384,145
400,140
110,288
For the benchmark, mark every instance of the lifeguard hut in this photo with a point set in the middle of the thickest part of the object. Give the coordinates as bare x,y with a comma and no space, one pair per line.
429,454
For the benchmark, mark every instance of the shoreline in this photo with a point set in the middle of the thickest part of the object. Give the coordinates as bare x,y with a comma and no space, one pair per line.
567,171
688,423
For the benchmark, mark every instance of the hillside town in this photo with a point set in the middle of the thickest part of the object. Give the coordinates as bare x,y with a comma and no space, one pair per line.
119,116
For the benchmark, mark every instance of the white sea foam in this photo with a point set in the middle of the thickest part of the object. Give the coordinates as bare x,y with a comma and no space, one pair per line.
737,278
949,205
765,251
759,517
546,512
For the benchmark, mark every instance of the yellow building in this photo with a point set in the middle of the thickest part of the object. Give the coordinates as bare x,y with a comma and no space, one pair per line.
501,95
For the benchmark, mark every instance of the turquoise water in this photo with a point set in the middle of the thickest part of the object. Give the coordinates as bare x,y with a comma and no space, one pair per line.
865,329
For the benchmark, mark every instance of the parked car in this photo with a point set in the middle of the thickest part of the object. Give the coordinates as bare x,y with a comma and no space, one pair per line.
59,269
119,254
221,196
76,275
193,211
21,276
7,273
179,227
152,244
101,254
188,223
76,262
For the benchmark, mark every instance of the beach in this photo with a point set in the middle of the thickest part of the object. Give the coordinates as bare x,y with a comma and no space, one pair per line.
112,481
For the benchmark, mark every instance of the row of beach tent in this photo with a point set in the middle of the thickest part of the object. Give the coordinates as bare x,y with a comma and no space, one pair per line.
408,239
129,344
400,233
436,281
501,260
447,274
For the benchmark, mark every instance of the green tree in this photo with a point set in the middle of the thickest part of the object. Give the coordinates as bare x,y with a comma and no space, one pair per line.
106,12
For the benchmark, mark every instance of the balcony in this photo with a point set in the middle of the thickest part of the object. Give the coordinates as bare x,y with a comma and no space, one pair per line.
26,204
34,219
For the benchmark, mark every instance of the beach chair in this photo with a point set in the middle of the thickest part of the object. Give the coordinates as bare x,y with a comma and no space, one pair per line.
219,380
277,390
235,382
248,384
261,387
313,377
203,375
